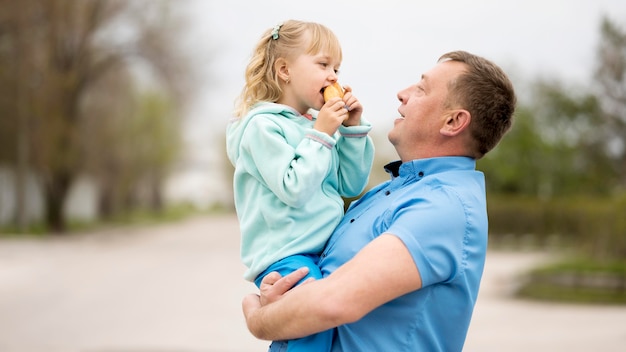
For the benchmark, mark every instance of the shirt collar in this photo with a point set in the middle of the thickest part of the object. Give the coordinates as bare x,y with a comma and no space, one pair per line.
429,166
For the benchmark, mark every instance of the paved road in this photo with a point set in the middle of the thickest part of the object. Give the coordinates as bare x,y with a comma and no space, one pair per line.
178,287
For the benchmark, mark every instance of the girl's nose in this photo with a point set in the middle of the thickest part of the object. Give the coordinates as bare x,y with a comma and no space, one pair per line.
332,74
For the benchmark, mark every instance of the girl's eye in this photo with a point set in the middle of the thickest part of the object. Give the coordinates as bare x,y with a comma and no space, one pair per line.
326,65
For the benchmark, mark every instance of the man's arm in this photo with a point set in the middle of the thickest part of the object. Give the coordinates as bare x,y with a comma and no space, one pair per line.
380,272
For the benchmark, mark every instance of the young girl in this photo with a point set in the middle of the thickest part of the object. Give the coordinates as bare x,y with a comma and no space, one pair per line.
295,156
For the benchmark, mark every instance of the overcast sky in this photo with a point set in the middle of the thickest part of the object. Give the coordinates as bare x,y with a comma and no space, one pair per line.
388,44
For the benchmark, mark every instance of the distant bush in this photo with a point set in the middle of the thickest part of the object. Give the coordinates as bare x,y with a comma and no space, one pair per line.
578,280
593,226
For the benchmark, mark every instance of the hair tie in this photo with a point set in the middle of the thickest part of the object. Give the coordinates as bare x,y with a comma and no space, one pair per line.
275,31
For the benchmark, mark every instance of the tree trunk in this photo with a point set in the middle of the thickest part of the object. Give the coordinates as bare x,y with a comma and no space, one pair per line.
22,137
56,193
105,205
156,193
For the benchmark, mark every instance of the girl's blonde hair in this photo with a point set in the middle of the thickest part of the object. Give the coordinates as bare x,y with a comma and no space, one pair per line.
283,41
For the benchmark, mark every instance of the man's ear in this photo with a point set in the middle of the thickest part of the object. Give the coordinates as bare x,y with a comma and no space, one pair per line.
456,122
282,70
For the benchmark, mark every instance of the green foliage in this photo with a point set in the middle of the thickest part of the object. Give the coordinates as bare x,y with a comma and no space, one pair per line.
591,225
568,141
554,149
517,164
545,289
582,265
555,181
578,280
133,153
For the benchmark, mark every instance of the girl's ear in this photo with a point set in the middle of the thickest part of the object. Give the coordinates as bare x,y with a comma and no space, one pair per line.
456,122
282,70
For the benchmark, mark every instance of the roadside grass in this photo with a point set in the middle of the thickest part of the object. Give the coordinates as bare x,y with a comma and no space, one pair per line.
577,280
134,218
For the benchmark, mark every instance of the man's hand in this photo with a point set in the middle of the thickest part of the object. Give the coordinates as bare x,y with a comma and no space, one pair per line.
273,288
381,271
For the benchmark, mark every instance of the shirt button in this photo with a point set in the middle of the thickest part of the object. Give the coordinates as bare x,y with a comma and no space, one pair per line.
421,174
351,220
387,193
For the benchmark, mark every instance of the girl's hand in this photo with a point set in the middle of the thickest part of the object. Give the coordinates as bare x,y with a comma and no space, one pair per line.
353,105
331,116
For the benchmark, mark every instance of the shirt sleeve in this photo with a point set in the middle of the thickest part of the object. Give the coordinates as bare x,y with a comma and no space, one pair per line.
433,228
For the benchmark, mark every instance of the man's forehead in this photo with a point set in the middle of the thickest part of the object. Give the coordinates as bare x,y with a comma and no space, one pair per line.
443,71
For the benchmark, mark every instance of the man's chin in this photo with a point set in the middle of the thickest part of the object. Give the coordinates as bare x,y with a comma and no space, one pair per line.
391,138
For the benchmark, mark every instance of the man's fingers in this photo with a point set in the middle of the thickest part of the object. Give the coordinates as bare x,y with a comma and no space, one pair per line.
272,289
289,281
250,302
311,279
271,278
283,284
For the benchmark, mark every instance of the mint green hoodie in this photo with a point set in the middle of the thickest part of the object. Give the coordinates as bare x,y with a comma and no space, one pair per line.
289,180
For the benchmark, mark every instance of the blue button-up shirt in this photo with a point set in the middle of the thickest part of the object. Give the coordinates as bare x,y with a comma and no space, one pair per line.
437,208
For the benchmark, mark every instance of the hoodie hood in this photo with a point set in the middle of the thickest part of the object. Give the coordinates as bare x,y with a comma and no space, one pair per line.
237,127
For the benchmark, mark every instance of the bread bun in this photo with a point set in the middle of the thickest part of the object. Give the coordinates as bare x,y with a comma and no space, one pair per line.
334,90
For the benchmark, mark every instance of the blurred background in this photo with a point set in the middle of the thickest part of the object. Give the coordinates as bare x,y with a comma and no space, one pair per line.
114,111
109,107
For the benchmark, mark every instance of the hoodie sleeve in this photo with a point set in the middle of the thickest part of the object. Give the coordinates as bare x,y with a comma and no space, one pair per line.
292,173
356,155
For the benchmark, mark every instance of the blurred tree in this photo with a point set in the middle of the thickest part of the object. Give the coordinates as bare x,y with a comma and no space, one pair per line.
568,141
161,146
513,166
132,153
16,59
54,53
570,122
555,148
611,83
105,136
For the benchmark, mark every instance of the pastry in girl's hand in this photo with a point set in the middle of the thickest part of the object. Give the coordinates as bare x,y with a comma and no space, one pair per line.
334,90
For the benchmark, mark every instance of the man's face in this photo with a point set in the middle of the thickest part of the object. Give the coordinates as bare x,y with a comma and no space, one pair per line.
417,132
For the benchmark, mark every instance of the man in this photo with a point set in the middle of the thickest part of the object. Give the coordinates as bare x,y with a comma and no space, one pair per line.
403,268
